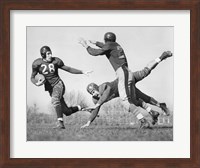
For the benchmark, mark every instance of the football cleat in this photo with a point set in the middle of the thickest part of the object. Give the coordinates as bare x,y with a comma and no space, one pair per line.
165,109
144,124
154,115
165,55
59,125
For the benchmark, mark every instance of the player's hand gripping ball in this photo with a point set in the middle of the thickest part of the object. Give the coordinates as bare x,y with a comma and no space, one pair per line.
40,79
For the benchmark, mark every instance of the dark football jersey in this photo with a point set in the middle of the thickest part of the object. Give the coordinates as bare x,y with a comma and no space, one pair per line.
113,52
113,89
49,70
108,91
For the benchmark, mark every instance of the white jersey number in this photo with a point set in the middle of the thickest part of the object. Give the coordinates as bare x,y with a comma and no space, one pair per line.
50,67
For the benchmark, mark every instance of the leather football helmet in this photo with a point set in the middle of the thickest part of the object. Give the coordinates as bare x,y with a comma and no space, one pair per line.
109,36
43,51
92,87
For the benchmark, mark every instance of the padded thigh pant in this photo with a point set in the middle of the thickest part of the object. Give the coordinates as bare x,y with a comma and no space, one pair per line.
136,77
124,76
58,101
126,86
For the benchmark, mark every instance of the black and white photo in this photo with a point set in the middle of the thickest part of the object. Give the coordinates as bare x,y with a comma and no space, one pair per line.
129,72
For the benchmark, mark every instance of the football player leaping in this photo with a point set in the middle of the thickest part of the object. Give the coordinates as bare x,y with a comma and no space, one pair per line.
48,66
115,54
108,90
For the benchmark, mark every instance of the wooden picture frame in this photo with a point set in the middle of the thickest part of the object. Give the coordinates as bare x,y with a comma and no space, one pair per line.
7,5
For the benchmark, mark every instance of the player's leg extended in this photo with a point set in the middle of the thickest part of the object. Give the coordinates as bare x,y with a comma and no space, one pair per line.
65,109
139,75
163,106
126,85
152,64
122,74
141,95
147,99
56,96
152,101
136,94
69,110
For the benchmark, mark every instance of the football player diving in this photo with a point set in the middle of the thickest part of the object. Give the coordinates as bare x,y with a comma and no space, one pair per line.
48,66
108,90
117,58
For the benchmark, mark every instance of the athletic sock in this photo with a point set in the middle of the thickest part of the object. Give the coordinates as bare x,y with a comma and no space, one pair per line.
139,116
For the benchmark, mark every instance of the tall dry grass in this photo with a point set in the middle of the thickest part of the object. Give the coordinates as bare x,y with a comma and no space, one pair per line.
111,113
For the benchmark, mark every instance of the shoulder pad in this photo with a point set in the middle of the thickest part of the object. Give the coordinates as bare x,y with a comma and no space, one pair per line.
37,62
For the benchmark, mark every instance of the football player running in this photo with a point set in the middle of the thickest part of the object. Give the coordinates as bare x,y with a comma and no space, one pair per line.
108,90
48,66
116,55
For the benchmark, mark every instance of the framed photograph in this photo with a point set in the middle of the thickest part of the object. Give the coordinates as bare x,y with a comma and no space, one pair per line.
130,97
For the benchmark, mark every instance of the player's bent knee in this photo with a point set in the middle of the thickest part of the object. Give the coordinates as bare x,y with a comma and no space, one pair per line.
55,102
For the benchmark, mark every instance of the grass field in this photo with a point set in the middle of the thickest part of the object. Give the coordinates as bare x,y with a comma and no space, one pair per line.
107,127
114,124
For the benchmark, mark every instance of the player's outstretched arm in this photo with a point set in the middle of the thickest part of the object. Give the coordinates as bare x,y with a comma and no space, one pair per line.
93,115
87,73
83,42
95,109
91,107
86,125
75,71
97,43
93,42
103,98
90,50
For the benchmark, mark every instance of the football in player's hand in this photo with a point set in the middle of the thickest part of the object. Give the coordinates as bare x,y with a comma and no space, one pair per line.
40,79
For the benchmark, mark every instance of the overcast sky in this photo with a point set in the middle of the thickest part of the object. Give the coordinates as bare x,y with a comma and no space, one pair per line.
141,45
